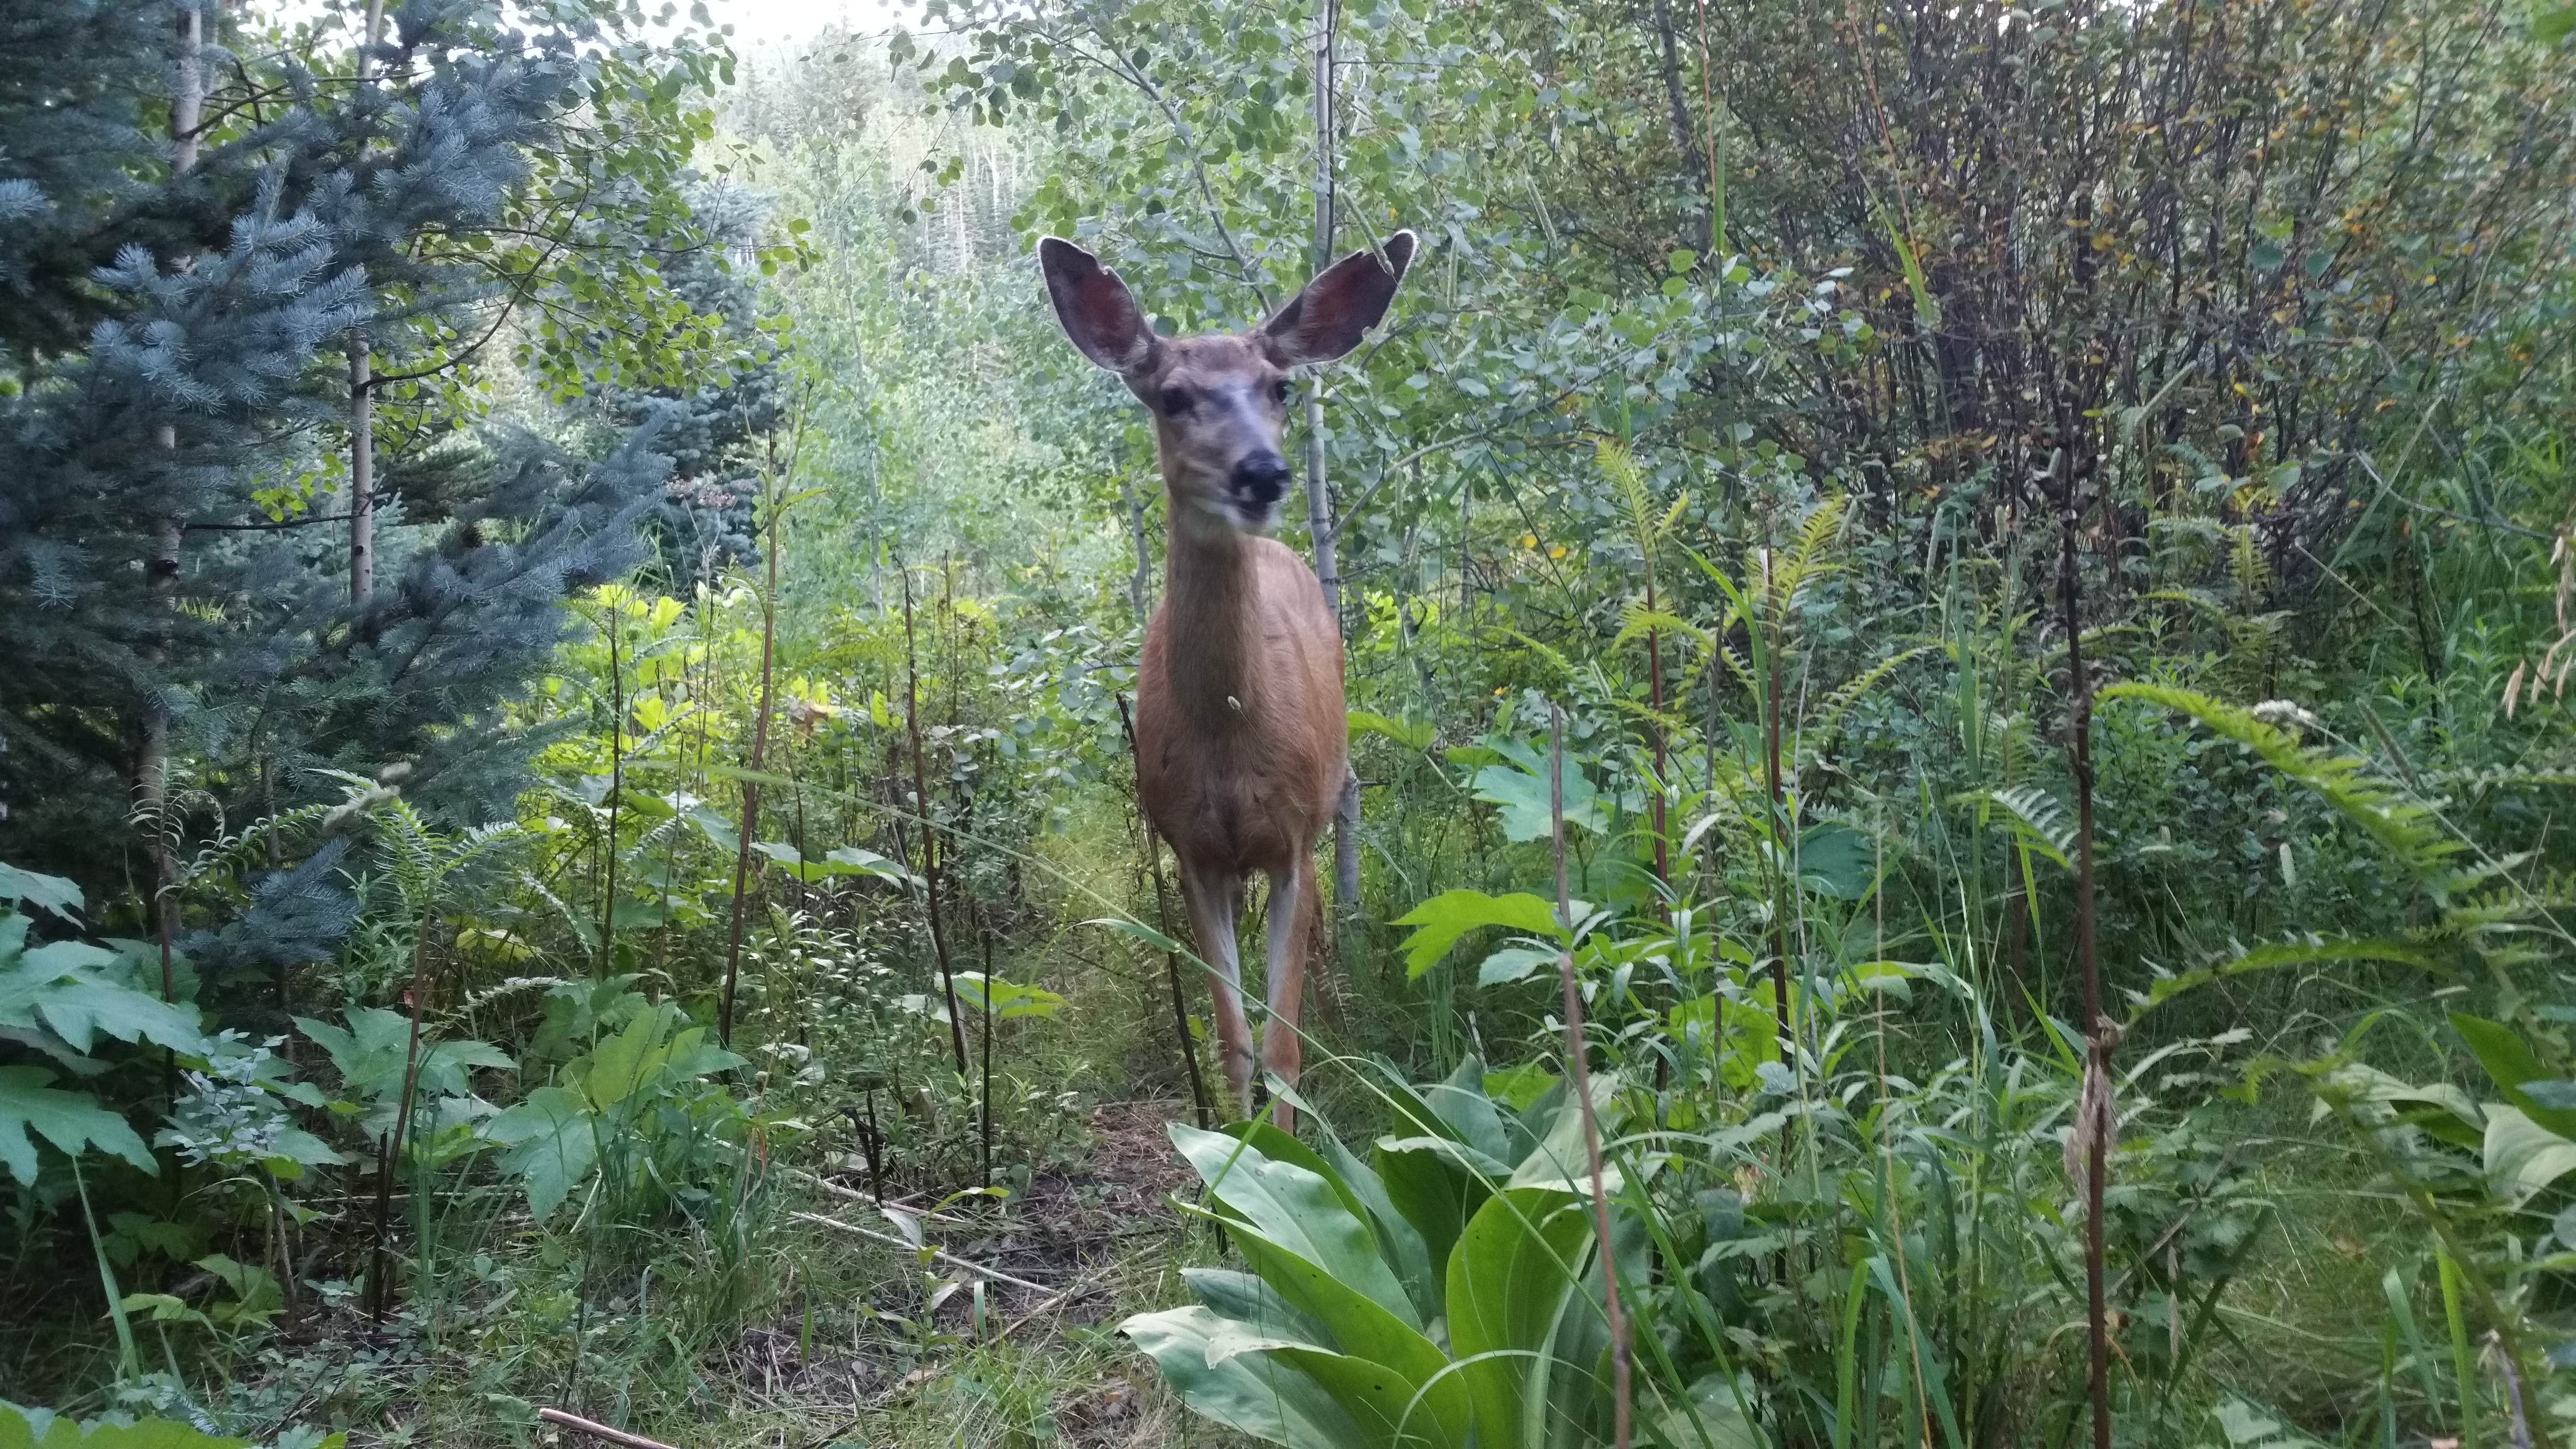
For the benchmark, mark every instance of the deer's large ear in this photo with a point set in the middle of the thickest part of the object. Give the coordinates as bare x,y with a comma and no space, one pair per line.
1338,308
1097,310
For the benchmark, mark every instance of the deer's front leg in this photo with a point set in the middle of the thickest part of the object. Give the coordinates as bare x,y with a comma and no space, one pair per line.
1215,901
1292,901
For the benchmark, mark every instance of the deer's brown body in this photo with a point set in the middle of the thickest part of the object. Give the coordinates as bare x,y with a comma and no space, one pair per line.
1240,731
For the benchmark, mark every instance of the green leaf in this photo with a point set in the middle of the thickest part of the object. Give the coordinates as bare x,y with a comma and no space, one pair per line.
1413,734
847,860
2522,1157
1836,861
553,1142
2509,1063
42,1429
1437,1185
1296,1210
2552,26
1514,963
71,1121
1393,1408
1522,788
1511,1275
1202,1357
45,892
1441,920
72,988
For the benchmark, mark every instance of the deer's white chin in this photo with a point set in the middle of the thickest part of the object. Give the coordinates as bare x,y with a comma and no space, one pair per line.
1241,515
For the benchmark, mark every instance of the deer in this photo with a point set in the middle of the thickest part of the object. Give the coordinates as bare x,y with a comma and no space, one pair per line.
1241,737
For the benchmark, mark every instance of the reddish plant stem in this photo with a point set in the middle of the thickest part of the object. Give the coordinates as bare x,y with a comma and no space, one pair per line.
929,836
1579,1073
751,788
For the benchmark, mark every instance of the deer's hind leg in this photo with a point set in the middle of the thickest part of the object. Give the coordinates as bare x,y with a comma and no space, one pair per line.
1282,1048
1214,899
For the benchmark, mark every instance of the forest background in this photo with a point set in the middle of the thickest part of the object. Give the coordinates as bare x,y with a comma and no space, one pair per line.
1976,599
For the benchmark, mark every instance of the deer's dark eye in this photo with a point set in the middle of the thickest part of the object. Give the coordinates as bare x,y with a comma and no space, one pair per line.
1176,401
1279,389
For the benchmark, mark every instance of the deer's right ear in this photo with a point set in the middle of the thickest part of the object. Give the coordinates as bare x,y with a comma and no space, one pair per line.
1097,310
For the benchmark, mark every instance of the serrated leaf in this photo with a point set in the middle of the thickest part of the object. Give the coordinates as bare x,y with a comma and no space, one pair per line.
71,1121
1440,921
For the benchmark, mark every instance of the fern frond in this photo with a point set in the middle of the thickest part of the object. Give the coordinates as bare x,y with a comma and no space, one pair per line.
1637,619
2405,827
2038,820
1848,693
2299,951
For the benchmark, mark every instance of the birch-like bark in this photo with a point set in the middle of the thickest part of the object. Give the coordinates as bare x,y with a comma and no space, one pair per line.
161,563
1319,501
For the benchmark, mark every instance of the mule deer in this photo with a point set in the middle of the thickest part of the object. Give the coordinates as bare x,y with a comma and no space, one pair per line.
1241,738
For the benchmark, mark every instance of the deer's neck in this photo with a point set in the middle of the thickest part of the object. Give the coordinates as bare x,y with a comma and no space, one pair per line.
1211,620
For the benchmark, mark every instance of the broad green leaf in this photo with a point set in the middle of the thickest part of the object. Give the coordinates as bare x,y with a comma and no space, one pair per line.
371,1057
1511,1275
1281,1146
1413,734
1397,1241
45,892
1392,1409
553,1142
72,1121
24,1428
1714,1419
72,989
845,861
1514,963
1523,791
1251,1392
2522,1156
1835,861
1298,1211
1441,920
1562,1158
2509,1063
1467,1112
1244,1298
1437,1184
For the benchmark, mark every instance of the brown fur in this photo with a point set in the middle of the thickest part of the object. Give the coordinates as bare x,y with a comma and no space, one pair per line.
1240,730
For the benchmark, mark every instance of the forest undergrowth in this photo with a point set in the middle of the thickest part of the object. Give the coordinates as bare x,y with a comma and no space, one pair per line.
1956,629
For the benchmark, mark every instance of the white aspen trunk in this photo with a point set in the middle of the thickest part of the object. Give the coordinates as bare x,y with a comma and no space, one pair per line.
161,564
1319,502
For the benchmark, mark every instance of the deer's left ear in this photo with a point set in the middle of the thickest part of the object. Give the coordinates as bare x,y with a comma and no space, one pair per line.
1338,308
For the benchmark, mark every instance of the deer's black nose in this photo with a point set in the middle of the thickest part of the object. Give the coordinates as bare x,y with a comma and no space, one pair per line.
1261,479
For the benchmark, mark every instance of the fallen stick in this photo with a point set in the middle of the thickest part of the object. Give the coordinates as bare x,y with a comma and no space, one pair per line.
852,1194
949,1258
580,1425
1078,1290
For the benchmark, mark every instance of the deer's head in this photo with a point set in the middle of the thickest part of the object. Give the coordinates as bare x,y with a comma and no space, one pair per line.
1219,402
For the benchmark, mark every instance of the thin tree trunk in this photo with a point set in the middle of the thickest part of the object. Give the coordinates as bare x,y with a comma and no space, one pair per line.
616,788
1578,1074
362,479
1140,584
1683,142
1319,502
751,788
2093,1103
362,408
1171,960
929,836
161,564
